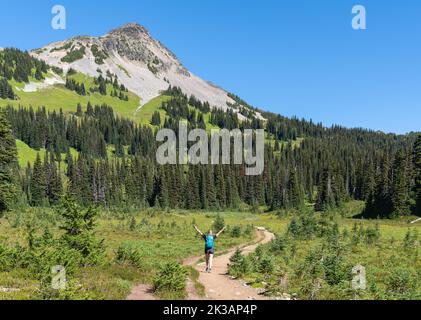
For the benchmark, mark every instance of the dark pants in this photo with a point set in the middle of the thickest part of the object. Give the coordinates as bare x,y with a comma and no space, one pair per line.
210,251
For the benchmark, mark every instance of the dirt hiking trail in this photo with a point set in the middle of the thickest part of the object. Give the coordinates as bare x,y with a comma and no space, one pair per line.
218,284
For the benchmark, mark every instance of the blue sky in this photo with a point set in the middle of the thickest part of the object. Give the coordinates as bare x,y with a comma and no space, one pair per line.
293,57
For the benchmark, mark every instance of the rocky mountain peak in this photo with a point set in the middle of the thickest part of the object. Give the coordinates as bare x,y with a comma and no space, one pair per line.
131,30
143,64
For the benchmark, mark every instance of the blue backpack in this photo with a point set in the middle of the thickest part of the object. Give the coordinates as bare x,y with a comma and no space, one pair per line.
209,241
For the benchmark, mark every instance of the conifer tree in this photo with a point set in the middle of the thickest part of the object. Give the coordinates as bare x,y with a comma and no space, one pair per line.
156,119
79,110
38,183
417,167
8,159
400,186
54,184
326,196
296,197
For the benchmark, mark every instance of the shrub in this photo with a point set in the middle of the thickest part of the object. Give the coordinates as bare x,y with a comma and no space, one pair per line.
171,277
260,250
248,232
132,224
74,55
267,265
402,284
73,291
311,267
279,244
411,239
126,253
336,270
8,258
236,232
303,227
372,235
236,257
218,224
239,265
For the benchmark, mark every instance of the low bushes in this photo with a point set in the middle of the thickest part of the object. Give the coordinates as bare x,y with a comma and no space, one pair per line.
170,280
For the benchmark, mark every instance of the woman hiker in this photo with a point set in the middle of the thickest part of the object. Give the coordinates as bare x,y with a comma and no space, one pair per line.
209,246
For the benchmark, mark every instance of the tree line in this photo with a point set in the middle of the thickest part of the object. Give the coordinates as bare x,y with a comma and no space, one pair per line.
325,171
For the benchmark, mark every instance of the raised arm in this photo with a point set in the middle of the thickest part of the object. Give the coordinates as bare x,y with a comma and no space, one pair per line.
198,231
220,232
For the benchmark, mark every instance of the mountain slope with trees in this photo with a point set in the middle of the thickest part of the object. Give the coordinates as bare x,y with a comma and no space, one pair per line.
331,166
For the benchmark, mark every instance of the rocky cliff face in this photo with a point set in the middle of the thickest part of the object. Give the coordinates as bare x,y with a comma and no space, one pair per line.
144,65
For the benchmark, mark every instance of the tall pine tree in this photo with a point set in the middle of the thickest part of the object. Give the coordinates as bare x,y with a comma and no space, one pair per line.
38,183
400,186
8,157
417,165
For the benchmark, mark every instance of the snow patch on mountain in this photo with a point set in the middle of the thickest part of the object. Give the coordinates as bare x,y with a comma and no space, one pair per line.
47,82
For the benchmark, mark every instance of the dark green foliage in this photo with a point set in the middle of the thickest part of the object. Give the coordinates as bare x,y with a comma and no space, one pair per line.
236,232
57,70
78,227
372,235
228,120
218,224
236,257
38,183
249,231
336,270
305,226
156,119
369,235
329,194
411,240
6,91
102,85
403,284
279,244
132,224
71,72
118,91
128,254
401,188
99,55
343,164
8,159
296,196
153,68
74,55
54,187
239,265
266,264
171,277
396,190
20,66
79,88
66,46
417,168
76,248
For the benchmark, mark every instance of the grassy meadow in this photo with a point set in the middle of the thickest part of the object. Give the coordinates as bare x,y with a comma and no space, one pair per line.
59,97
156,237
